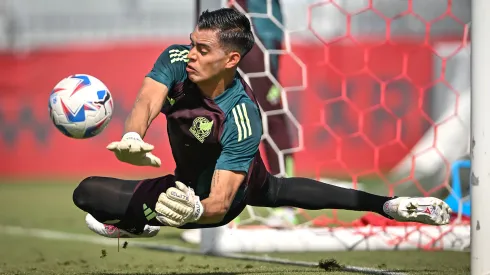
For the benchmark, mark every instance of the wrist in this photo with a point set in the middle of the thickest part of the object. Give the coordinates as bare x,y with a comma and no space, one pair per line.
198,210
132,136
213,211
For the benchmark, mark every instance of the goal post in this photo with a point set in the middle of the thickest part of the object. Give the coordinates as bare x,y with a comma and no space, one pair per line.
480,138
378,93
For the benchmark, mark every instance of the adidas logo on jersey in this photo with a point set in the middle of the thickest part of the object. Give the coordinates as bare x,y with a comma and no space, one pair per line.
149,213
171,101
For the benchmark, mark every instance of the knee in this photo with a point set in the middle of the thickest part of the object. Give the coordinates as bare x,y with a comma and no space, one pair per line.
84,192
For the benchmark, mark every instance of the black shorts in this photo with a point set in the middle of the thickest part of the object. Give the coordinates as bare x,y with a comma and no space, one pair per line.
146,196
258,190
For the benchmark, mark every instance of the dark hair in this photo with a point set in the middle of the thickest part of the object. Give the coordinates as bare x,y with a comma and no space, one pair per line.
234,29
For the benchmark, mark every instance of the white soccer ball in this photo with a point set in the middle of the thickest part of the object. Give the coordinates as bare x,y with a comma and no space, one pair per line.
80,106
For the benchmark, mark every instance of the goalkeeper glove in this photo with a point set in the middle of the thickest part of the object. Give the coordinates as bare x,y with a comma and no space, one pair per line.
178,206
133,150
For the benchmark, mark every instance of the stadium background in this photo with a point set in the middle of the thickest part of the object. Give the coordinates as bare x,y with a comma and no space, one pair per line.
349,107
117,41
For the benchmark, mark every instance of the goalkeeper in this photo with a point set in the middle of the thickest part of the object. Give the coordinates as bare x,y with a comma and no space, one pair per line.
214,127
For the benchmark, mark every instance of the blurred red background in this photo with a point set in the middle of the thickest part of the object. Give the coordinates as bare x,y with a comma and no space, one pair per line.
360,110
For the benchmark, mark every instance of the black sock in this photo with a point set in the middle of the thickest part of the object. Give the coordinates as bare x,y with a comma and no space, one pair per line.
314,195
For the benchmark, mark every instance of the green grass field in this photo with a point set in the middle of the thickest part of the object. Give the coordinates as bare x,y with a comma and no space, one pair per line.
49,206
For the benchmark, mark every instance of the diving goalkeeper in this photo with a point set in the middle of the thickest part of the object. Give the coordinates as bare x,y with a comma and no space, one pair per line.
214,127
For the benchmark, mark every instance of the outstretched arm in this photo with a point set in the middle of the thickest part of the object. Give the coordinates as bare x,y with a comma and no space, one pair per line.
224,187
149,102
147,106
155,89
132,149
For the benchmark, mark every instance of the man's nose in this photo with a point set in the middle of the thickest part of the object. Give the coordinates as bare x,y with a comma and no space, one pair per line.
192,54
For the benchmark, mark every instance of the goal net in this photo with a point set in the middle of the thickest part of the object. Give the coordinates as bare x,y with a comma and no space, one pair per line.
376,95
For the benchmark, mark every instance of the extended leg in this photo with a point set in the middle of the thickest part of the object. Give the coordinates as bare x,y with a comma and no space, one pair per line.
314,195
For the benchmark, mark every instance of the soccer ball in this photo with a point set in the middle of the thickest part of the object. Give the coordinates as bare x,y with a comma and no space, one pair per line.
80,106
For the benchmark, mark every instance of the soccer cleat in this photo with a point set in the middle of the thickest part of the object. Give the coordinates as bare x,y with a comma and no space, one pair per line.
426,210
111,231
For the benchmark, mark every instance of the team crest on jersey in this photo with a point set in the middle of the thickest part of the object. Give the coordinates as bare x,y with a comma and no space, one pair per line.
201,128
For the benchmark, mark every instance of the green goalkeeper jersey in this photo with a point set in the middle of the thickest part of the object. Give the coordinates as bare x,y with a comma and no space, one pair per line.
207,134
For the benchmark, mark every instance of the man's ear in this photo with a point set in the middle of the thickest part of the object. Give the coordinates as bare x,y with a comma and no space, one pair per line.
233,59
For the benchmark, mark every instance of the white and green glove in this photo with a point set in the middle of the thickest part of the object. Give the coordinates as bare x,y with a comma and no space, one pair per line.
178,206
133,150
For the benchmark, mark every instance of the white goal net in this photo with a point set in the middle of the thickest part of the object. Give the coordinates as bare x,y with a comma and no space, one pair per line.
376,95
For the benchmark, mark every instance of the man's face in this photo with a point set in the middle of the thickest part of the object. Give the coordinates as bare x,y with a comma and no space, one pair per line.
207,58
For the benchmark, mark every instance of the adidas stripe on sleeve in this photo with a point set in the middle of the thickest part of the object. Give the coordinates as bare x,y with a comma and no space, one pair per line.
241,137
